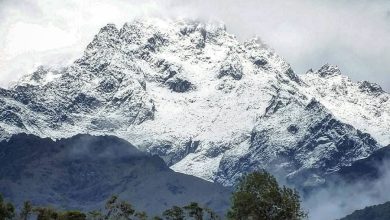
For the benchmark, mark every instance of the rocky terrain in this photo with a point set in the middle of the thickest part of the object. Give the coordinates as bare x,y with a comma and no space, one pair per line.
368,169
208,104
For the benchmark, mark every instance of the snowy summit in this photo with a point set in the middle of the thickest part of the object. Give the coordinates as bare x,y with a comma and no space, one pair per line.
208,104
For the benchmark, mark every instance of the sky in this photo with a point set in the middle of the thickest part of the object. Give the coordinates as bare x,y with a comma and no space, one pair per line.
352,34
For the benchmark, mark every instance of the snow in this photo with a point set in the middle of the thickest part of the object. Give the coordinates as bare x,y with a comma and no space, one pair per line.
119,87
367,111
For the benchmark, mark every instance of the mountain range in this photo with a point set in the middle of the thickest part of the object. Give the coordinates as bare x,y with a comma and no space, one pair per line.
84,171
210,105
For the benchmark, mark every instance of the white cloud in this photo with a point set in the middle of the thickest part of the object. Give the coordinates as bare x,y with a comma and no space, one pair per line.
48,32
341,199
30,38
351,34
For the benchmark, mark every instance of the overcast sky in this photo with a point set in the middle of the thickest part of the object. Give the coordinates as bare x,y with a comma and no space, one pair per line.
353,34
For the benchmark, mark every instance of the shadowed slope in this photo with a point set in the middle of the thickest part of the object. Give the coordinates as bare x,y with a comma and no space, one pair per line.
83,171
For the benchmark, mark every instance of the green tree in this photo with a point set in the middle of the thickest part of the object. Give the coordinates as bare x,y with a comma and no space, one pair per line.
174,213
211,214
111,207
118,209
126,210
141,215
7,210
46,213
26,211
95,215
72,215
194,210
259,197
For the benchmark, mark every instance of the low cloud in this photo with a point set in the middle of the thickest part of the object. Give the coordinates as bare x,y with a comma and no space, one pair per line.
341,199
351,34
48,32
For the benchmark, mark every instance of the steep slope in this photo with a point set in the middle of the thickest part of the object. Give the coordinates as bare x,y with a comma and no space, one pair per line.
84,171
368,169
315,144
376,212
191,93
364,105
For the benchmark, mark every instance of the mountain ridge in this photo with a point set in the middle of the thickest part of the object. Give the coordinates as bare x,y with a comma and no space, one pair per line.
84,171
196,96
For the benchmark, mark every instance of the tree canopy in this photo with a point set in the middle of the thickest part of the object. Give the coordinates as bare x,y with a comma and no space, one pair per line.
7,210
259,197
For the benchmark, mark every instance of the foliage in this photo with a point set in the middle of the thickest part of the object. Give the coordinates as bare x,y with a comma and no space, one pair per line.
194,211
211,214
258,196
26,211
116,209
174,213
7,210
141,215
72,215
46,213
95,215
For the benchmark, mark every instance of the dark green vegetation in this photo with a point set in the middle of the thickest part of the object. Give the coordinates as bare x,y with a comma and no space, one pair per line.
114,209
7,210
376,212
258,196
81,172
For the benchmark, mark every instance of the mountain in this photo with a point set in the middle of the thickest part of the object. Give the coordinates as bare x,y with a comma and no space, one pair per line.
376,212
368,169
84,171
317,144
209,105
364,105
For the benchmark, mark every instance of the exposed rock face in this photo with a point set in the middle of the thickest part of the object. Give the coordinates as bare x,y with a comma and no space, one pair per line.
316,144
179,85
328,70
368,169
363,105
371,88
164,84
231,67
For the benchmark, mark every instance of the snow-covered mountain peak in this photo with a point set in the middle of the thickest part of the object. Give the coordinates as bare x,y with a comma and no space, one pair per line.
364,105
192,93
109,29
42,76
371,88
328,70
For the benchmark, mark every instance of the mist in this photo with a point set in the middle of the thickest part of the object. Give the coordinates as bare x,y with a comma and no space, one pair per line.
341,198
351,34
309,33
